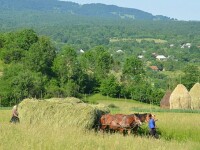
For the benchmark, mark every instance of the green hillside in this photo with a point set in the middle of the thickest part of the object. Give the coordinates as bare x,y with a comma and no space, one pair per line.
62,8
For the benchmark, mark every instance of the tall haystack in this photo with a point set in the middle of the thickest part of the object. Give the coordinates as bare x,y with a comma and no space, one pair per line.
164,103
195,95
60,112
180,98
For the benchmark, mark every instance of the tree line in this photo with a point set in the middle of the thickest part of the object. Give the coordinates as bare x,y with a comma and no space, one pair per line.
35,67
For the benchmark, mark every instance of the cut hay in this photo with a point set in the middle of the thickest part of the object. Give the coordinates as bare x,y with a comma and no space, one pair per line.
195,96
60,112
180,98
164,103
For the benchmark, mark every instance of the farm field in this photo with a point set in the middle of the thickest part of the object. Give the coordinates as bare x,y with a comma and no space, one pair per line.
158,41
178,130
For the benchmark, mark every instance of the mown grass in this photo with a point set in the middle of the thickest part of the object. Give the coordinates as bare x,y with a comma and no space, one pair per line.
166,110
122,105
158,41
179,131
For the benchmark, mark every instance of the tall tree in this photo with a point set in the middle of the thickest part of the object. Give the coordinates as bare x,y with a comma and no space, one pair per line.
110,87
69,72
26,38
103,61
15,44
192,76
66,64
40,56
133,68
18,83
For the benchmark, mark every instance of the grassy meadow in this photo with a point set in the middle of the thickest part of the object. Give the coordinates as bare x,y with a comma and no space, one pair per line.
178,130
158,41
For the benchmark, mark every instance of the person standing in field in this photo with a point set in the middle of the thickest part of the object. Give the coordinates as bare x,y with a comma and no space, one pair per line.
152,126
15,115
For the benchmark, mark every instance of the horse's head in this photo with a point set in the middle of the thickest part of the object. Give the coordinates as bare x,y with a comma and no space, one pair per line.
143,117
148,116
137,121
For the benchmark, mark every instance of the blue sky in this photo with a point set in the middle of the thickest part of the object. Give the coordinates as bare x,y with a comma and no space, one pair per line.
179,9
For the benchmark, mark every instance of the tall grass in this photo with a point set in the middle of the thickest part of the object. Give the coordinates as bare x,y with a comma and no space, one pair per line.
41,138
5,115
180,125
179,131
122,105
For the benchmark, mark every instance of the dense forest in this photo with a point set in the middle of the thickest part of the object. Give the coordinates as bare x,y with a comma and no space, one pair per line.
51,54
65,7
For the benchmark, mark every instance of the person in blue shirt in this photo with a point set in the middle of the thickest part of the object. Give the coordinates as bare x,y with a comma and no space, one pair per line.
152,125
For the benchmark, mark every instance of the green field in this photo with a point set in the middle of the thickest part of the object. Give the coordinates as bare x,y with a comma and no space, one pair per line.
158,41
179,130
1,67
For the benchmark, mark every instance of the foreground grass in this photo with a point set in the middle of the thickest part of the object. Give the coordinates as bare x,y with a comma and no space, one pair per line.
179,131
27,137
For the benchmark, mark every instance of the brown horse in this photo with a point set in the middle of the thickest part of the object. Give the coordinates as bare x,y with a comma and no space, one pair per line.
143,118
106,120
119,122
125,123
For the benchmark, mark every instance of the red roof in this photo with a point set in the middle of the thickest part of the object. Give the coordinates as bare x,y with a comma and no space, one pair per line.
154,68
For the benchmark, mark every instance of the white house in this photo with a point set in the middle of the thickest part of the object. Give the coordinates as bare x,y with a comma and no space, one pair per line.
161,57
119,51
140,56
82,51
186,45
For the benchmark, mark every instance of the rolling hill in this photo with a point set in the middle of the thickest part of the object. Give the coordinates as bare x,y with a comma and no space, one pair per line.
29,12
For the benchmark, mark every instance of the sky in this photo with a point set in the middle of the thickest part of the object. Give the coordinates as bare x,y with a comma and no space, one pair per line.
178,9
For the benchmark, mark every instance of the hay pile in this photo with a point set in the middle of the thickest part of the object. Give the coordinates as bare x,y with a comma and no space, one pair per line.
164,103
60,112
195,96
180,98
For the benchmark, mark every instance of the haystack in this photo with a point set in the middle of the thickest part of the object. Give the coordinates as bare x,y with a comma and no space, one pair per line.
195,96
164,103
180,98
60,112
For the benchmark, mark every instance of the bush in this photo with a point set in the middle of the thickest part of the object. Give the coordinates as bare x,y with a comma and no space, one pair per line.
112,106
110,87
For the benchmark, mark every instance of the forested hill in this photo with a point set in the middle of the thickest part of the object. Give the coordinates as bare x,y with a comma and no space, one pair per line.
63,7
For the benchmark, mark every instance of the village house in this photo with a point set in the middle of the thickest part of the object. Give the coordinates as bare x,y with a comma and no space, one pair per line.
119,51
140,56
161,57
154,68
82,51
154,55
186,45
